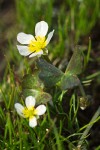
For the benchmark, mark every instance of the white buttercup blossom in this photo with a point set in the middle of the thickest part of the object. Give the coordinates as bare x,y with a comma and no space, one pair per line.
30,111
34,46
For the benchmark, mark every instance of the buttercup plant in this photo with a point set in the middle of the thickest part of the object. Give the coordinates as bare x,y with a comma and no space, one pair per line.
35,46
46,75
30,111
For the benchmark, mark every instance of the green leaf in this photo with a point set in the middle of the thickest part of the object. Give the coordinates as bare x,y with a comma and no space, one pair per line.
32,85
49,74
69,81
32,81
75,64
41,97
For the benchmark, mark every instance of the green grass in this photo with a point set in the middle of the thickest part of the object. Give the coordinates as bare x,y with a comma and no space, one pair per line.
64,125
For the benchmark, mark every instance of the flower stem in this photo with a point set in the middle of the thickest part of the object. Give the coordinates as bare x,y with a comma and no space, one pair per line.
82,90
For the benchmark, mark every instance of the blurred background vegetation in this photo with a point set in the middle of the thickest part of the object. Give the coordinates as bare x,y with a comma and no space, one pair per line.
74,22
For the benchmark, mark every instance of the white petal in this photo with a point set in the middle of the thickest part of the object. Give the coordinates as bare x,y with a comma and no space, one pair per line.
36,54
24,38
41,110
23,50
49,36
32,122
19,108
30,101
41,28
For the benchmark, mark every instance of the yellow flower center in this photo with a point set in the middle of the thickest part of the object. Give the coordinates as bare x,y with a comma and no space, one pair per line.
29,112
37,44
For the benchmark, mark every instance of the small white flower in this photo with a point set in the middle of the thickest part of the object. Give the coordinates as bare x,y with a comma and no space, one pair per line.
29,111
34,46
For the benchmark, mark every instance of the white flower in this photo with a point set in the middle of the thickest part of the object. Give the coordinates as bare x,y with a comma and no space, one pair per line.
29,111
34,46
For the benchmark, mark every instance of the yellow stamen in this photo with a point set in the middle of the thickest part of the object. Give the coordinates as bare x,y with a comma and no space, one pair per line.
29,112
37,44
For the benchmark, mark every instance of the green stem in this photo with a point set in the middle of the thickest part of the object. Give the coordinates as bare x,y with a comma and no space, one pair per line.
97,113
82,90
